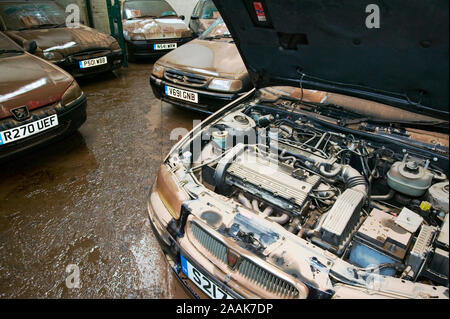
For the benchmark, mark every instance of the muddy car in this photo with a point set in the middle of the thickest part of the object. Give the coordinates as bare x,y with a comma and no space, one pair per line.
203,15
39,102
203,75
152,28
334,185
79,50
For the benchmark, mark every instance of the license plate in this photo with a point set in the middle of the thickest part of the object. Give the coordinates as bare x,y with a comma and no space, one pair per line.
181,94
164,46
27,130
93,62
202,281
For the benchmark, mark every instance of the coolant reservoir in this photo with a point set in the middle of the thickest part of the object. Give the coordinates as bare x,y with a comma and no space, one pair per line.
409,178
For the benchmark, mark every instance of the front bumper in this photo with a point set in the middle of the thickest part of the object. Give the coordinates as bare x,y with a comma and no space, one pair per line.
172,250
145,48
208,101
72,63
70,118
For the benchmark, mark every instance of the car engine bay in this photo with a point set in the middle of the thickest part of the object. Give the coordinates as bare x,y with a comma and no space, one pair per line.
335,206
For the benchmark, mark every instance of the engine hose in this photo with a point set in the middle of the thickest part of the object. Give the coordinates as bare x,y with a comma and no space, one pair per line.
336,170
354,180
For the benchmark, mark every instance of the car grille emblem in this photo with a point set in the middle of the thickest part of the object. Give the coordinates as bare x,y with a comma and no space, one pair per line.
232,258
20,113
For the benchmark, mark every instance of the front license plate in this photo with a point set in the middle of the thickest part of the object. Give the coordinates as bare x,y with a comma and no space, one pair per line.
202,281
29,129
164,46
181,94
93,62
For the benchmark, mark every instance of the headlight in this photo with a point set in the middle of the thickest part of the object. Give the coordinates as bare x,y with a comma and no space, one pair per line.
114,45
49,55
158,71
170,193
225,85
71,94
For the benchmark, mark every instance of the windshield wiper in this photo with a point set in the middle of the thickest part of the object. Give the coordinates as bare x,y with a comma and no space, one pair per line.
10,51
144,16
43,26
218,36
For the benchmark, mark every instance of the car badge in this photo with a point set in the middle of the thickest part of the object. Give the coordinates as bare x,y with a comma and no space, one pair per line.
232,258
20,113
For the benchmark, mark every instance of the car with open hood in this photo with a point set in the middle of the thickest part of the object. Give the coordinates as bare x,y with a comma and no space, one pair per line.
204,74
330,178
78,49
203,15
39,102
152,28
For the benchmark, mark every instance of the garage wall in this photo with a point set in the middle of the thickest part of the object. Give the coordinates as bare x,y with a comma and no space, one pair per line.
100,15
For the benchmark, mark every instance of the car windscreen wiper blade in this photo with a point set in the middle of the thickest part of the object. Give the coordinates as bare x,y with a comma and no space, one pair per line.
144,16
43,26
218,36
10,51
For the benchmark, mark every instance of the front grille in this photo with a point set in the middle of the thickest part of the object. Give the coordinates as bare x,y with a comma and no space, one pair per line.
248,269
89,54
267,280
184,77
214,246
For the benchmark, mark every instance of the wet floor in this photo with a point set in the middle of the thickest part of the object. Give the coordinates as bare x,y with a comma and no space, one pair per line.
82,201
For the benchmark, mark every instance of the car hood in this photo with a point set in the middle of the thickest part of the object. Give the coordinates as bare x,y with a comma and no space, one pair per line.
63,42
329,46
31,81
216,58
149,28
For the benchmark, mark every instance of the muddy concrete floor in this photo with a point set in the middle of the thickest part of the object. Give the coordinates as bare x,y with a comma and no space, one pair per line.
82,200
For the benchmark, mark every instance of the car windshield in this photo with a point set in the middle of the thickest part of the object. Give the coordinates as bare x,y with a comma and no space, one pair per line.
143,9
25,15
209,11
217,30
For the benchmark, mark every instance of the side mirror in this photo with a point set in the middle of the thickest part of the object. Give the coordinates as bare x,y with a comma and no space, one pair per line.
30,46
194,17
182,17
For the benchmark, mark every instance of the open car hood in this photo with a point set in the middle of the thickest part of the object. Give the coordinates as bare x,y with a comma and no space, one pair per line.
326,45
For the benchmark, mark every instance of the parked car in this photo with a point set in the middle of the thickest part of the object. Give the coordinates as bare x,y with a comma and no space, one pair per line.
39,102
203,75
335,187
152,28
80,51
203,15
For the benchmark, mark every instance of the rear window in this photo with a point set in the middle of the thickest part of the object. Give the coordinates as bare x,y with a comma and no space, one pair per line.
143,9
22,15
